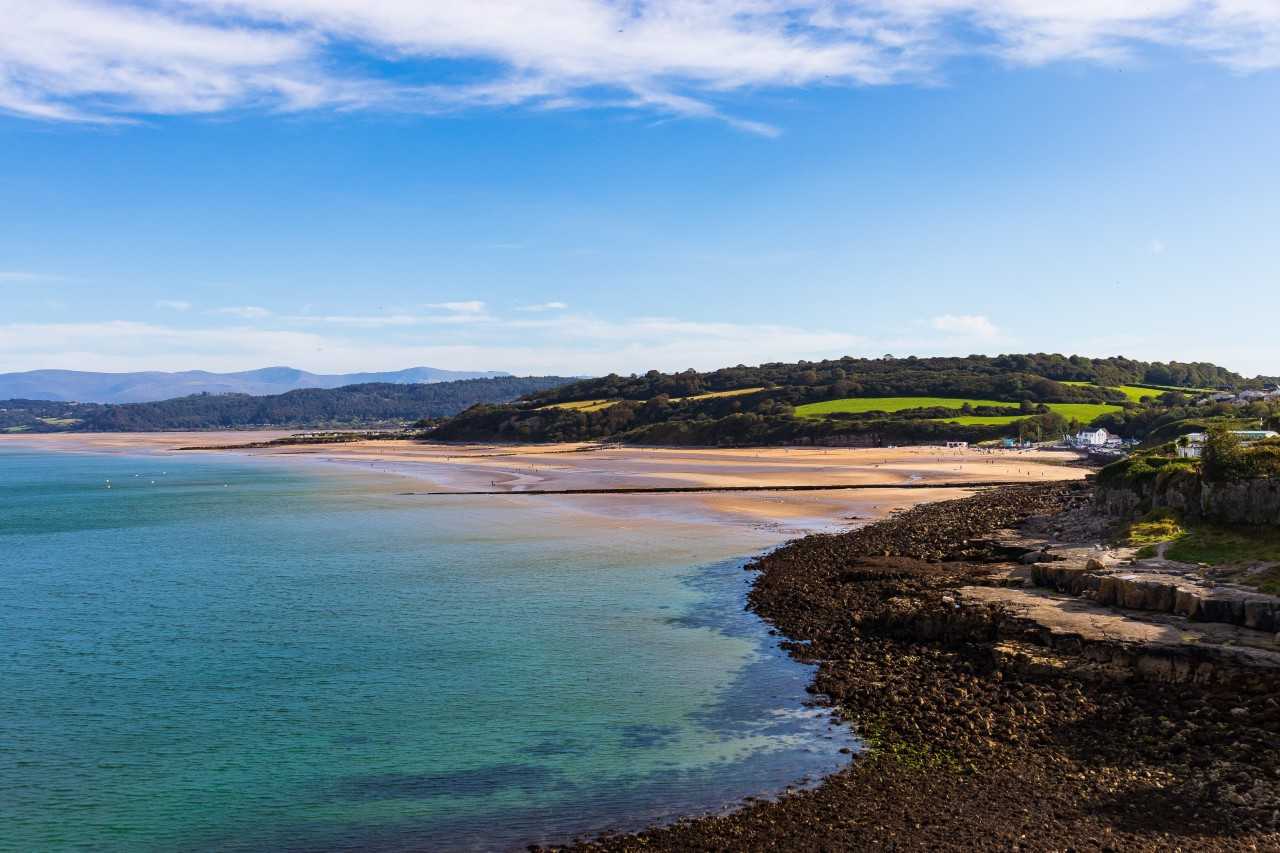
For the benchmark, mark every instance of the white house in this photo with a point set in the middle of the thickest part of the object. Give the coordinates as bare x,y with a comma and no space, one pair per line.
1191,445
1092,438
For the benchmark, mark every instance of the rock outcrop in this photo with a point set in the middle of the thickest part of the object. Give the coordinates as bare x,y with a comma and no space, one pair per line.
1182,592
1248,502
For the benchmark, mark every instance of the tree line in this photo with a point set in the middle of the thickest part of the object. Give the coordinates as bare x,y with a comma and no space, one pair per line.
1035,376
664,408
369,404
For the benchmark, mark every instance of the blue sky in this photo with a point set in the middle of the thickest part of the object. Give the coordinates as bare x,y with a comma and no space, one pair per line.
581,186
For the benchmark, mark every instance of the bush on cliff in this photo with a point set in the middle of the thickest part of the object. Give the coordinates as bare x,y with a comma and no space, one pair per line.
1225,459
1145,467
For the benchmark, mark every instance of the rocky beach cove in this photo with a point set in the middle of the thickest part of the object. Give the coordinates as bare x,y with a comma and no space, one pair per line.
1000,714
1019,679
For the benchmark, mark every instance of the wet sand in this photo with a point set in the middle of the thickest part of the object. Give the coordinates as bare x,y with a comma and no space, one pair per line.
557,467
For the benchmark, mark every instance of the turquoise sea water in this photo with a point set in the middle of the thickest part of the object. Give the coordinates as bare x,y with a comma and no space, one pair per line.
236,654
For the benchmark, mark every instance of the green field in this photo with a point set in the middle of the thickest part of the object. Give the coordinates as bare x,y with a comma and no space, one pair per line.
1137,392
1133,392
1083,412
860,405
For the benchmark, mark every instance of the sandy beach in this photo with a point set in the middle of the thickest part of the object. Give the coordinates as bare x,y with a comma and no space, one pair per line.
513,469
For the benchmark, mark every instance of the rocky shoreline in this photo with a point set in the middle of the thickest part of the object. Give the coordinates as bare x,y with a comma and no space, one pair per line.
985,733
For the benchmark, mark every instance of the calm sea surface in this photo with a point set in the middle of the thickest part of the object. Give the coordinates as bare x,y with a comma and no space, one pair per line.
238,654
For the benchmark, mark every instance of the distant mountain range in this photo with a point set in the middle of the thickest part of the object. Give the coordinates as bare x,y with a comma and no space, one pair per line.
86,387
376,404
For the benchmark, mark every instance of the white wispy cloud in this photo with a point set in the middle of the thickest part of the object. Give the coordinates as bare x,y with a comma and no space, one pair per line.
358,321
173,304
564,344
967,325
113,60
24,276
474,306
544,306
244,312
128,345
461,313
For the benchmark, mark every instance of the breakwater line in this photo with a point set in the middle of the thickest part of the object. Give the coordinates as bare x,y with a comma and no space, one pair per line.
664,490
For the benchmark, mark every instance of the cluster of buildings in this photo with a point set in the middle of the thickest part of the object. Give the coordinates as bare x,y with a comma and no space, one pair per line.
1087,439
1100,443
1250,396
1191,445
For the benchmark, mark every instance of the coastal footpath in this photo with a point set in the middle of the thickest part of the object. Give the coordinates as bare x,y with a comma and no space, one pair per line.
999,715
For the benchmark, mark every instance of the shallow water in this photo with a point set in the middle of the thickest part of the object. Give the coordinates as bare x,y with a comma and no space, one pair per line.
224,653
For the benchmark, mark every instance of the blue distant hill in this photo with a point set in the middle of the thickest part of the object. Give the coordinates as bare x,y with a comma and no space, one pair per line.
145,387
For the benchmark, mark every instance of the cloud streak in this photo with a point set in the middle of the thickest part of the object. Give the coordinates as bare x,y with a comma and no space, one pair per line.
22,276
561,343
118,60
244,312
965,325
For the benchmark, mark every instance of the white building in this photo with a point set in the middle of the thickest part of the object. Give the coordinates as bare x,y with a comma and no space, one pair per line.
1191,445
1092,438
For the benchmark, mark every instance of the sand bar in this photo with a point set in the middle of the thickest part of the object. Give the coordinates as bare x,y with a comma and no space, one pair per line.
553,467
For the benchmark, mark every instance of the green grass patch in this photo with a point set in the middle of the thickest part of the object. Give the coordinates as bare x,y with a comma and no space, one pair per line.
1219,545
1158,526
1213,544
862,405
1146,466
1083,412
1136,393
